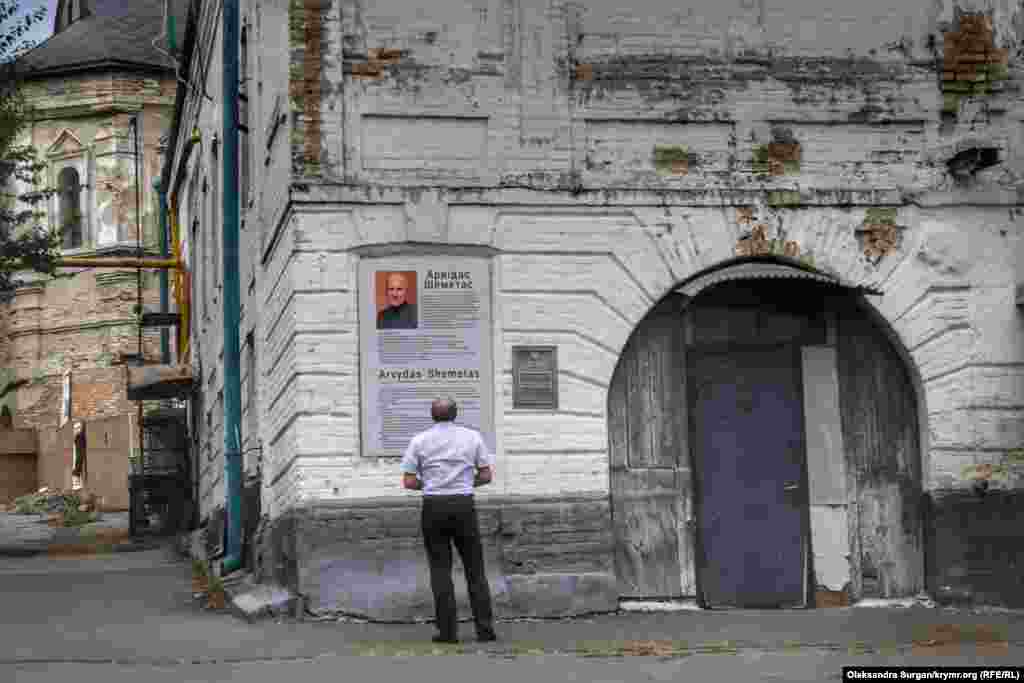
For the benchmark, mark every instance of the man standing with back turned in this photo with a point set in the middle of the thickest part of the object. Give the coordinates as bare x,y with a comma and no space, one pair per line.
447,462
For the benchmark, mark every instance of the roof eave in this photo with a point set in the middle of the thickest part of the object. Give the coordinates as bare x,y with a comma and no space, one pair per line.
95,65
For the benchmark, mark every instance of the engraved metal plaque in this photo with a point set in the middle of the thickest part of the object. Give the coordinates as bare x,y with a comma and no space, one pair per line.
535,374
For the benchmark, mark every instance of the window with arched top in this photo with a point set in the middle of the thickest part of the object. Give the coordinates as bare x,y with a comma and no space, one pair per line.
69,189
70,209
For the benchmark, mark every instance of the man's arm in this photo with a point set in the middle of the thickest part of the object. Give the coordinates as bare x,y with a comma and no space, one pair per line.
483,476
483,466
410,468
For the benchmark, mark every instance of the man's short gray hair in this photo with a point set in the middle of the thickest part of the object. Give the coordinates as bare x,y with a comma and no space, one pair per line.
443,410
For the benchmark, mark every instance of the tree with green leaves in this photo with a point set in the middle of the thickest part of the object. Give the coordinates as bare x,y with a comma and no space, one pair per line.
24,242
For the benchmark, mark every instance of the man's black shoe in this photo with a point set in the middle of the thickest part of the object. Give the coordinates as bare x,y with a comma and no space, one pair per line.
487,637
442,639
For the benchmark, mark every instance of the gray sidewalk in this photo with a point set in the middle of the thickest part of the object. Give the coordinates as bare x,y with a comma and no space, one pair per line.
27,535
138,608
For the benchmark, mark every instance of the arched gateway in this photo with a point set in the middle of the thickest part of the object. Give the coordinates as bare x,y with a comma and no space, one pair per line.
764,446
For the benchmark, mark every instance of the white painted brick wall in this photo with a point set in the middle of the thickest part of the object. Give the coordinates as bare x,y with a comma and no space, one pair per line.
581,272
545,453
269,63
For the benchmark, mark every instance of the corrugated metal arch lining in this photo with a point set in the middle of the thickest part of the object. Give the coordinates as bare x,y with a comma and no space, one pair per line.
754,270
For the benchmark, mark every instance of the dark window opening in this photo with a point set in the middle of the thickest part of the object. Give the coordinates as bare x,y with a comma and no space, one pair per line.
70,190
243,121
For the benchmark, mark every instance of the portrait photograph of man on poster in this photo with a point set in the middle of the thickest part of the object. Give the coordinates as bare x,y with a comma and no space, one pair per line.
396,300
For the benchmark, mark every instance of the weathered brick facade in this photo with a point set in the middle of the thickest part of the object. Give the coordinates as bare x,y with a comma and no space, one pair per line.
85,322
596,162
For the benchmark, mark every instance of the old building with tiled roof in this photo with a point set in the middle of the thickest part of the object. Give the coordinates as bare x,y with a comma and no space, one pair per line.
102,88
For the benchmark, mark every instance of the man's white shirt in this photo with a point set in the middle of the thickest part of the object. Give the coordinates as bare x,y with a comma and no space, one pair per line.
445,458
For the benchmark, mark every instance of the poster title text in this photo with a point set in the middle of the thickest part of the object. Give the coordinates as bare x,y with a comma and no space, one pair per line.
448,279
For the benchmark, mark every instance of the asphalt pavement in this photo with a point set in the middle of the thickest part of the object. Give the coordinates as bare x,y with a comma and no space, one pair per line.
132,616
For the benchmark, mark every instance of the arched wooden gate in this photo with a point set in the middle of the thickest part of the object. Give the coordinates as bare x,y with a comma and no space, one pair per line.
764,448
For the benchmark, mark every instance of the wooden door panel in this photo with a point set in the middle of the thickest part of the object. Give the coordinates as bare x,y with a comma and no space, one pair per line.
883,460
649,461
644,515
618,413
654,384
687,533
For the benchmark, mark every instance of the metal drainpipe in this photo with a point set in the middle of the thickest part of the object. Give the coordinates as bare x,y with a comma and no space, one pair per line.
232,298
165,338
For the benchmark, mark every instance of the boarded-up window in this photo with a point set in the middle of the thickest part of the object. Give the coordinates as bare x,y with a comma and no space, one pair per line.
535,377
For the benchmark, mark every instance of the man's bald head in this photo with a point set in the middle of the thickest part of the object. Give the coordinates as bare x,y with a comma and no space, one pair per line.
396,289
443,410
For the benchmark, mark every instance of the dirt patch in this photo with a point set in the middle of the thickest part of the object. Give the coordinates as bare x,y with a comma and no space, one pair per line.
950,639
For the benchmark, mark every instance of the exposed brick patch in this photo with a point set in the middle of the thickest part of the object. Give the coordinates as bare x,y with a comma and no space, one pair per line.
307,38
377,60
84,324
972,63
584,72
781,156
72,90
879,234
673,159
757,244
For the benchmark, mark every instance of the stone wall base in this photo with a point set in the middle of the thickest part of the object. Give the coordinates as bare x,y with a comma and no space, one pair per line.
553,557
975,548
544,558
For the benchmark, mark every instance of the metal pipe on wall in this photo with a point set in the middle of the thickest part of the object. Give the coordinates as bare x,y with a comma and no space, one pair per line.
165,339
232,295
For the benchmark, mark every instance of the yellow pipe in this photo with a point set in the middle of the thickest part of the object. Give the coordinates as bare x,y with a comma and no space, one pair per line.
118,262
181,284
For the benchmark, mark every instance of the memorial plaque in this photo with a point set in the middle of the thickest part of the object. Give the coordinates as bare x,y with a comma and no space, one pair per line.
535,377
425,333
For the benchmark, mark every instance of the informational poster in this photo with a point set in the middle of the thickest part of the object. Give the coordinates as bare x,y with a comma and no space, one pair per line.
425,333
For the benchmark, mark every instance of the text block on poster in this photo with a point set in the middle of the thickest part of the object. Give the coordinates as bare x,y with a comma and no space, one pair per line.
425,333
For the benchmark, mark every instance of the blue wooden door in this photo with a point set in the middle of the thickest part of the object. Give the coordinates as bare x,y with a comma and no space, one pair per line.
748,446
